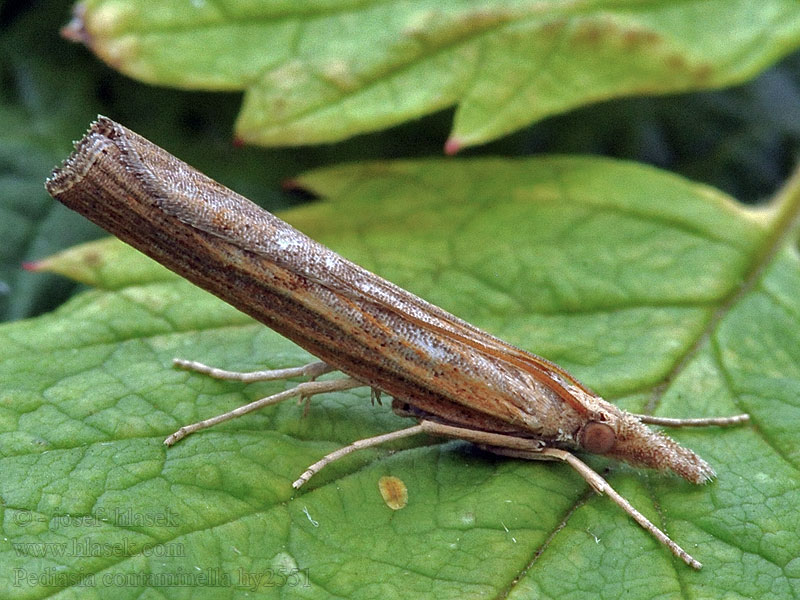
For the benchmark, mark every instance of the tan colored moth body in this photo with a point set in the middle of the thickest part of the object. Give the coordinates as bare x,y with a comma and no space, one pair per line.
438,368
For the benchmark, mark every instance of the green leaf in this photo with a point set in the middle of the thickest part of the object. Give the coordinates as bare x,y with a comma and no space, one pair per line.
658,293
323,71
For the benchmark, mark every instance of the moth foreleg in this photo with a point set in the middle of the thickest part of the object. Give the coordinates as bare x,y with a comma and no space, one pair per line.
301,390
601,486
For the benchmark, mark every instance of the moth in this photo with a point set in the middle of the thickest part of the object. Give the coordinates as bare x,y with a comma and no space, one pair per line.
456,380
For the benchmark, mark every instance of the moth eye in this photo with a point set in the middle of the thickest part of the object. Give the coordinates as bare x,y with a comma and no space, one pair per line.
597,438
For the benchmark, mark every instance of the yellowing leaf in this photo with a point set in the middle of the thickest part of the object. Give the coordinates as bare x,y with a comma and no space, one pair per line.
322,71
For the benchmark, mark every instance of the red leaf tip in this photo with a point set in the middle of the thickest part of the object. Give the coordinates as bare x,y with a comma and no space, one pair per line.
33,265
452,146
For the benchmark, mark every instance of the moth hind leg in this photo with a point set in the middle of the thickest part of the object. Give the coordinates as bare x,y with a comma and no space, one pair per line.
311,370
602,487
302,391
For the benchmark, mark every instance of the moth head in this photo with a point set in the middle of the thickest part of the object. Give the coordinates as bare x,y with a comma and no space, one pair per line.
622,436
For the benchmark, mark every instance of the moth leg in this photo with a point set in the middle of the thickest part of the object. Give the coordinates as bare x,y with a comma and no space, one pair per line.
357,445
431,427
510,445
307,389
601,486
375,396
311,370
702,422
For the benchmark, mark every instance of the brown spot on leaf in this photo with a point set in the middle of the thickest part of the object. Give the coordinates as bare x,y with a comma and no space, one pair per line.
93,259
638,38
